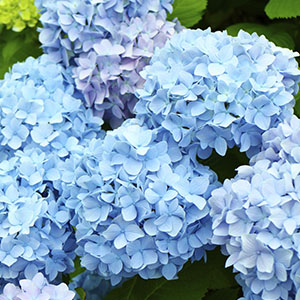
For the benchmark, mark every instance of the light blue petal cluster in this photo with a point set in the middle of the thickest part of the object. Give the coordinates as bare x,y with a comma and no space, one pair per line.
95,287
37,107
110,8
256,217
212,91
36,288
136,211
41,126
106,44
282,142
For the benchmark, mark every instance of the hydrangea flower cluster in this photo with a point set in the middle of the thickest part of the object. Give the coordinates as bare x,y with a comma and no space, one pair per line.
16,15
34,234
106,44
95,287
37,107
212,91
37,288
140,209
41,125
256,217
281,142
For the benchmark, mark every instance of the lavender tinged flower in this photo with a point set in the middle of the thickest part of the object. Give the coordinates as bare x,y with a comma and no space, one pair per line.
108,74
256,217
36,288
106,44
211,91
137,212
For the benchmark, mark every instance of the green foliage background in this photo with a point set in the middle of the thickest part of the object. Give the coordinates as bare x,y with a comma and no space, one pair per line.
279,21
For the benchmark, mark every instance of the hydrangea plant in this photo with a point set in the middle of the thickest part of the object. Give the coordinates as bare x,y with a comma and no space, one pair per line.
37,107
134,201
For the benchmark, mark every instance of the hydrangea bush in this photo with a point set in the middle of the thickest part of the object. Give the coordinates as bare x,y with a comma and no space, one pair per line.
135,200
212,91
106,44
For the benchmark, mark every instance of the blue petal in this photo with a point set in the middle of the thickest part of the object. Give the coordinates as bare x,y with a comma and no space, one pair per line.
215,69
262,121
111,232
137,260
221,145
133,232
169,271
129,213
265,262
116,266
120,241
132,166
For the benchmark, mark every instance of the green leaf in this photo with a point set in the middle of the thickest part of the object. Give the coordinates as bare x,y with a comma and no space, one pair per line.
188,12
221,4
10,49
15,47
283,9
228,294
81,293
195,280
272,32
225,166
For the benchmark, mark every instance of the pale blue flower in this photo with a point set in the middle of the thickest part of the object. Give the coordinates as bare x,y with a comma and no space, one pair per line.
282,142
126,191
54,127
34,112
213,91
95,287
37,288
256,217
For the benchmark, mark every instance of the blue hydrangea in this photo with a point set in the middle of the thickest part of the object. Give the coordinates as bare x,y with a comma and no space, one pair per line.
42,125
249,295
36,288
106,44
282,142
136,210
35,234
110,8
95,287
212,91
256,217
